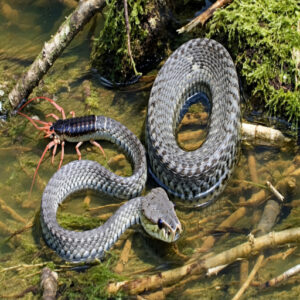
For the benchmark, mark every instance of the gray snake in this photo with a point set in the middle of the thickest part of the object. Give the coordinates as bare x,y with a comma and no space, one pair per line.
198,66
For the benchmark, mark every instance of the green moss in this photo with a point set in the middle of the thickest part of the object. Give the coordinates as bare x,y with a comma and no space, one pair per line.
91,284
76,222
261,35
110,48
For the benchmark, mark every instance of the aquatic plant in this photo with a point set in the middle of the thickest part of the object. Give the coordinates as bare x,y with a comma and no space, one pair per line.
262,36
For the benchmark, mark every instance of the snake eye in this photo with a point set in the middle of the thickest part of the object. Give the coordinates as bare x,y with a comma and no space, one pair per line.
159,223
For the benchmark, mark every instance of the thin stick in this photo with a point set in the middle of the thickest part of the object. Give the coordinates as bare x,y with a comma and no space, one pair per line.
204,16
250,278
23,266
275,191
128,37
11,212
283,277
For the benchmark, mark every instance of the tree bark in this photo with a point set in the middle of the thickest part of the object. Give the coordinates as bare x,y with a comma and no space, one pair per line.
53,49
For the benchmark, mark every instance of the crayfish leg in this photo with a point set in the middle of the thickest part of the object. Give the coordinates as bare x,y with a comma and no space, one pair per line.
49,146
62,153
78,151
53,153
98,146
53,116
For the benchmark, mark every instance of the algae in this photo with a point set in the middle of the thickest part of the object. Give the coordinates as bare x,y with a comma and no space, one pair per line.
74,222
262,35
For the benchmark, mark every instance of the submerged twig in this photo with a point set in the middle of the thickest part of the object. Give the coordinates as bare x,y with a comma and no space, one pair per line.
252,167
275,191
11,212
250,278
166,278
268,218
283,277
23,266
124,256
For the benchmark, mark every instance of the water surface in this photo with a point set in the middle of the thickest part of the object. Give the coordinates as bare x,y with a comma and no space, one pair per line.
24,27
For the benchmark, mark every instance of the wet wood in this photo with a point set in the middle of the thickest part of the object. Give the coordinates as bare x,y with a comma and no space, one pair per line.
107,206
282,277
281,255
244,250
49,284
11,212
262,135
275,191
252,167
268,218
246,284
105,217
244,270
201,19
124,256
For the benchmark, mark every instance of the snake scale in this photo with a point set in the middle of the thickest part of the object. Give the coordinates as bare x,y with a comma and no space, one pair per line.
200,66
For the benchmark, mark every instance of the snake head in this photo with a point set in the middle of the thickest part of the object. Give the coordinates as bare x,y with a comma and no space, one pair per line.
158,216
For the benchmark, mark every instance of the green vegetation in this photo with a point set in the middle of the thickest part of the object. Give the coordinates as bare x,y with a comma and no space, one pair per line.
110,54
91,284
262,36
75,222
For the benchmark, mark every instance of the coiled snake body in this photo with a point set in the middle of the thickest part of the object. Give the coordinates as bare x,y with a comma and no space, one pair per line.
199,66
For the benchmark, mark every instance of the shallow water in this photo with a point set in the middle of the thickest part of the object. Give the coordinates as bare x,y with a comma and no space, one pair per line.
24,27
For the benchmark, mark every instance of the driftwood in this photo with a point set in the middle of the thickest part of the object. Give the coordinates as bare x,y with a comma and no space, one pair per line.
262,135
49,284
201,19
162,279
53,49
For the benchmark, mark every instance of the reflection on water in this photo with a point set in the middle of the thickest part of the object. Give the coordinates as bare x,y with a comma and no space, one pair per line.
24,26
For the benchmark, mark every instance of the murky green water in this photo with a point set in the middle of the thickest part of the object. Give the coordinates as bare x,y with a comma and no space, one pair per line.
24,26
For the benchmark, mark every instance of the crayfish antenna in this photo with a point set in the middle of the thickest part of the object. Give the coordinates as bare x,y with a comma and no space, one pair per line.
59,108
47,124
49,146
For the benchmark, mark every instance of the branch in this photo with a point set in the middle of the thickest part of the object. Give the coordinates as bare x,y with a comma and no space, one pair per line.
204,16
166,278
53,49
